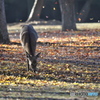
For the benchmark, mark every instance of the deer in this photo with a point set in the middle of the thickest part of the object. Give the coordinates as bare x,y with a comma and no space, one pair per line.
28,38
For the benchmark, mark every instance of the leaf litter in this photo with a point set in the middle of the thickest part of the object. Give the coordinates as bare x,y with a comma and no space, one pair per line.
70,58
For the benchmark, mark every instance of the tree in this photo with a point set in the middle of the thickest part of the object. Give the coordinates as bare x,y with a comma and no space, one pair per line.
36,10
4,38
84,11
68,14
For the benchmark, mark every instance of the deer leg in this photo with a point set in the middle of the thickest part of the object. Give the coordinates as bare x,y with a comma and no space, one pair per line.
33,69
27,61
27,65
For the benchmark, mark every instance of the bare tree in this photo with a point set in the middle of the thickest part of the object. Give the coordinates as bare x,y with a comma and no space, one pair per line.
4,38
36,10
68,14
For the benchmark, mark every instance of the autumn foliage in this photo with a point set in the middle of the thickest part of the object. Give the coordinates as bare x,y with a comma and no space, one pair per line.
72,56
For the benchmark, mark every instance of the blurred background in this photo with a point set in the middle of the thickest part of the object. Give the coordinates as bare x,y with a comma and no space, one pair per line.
19,10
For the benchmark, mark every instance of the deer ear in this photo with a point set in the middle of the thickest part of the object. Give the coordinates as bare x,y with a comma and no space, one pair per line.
38,55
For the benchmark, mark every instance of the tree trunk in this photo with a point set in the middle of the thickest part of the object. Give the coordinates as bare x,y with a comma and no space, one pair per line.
84,11
4,38
68,14
36,10
29,5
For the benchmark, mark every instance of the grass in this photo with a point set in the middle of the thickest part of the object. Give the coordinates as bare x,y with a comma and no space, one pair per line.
80,26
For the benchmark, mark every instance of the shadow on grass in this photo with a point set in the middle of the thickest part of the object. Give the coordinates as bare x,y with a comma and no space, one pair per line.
13,69
33,98
75,62
44,95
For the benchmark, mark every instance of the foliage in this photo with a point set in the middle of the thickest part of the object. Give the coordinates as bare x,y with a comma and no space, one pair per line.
71,56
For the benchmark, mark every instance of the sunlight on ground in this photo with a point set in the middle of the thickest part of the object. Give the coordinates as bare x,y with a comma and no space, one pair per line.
70,61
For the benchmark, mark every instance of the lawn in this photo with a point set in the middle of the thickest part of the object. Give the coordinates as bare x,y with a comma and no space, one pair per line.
69,62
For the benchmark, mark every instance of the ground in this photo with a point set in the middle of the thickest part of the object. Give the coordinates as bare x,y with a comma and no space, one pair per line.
69,62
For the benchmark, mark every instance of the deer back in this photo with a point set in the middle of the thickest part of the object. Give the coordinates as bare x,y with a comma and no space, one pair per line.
28,38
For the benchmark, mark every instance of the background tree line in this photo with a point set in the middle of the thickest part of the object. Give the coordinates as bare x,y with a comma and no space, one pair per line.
18,10
68,11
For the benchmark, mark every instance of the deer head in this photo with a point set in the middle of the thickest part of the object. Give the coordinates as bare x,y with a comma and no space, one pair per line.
33,61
